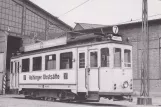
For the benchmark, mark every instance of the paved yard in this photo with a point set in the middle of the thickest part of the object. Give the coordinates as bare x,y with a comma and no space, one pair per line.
19,101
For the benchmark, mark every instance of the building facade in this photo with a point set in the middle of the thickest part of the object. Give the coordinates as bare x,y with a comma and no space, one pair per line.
133,31
25,19
21,23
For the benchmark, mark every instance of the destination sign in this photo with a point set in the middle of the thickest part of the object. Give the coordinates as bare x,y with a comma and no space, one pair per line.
117,38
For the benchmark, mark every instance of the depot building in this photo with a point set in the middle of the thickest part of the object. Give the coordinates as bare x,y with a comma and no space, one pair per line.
21,23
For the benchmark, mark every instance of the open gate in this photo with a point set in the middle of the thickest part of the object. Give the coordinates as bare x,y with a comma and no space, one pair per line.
14,74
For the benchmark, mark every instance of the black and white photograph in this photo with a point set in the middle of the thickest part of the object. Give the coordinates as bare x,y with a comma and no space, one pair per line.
80,53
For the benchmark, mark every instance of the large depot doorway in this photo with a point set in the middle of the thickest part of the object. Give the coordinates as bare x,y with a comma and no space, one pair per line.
13,46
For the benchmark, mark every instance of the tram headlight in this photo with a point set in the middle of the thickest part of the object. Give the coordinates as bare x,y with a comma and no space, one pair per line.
125,84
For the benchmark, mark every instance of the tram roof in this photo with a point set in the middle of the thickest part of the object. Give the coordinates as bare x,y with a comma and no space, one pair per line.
79,41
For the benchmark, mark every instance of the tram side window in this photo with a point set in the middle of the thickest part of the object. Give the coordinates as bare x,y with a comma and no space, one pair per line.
50,62
81,60
66,60
93,59
11,67
37,63
127,58
25,65
117,57
18,65
105,57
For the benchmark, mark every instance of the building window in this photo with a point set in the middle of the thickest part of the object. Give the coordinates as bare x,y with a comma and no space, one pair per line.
117,57
66,60
105,57
37,63
81,60
10,16
127,58
93,59
50,62
35,25
25,65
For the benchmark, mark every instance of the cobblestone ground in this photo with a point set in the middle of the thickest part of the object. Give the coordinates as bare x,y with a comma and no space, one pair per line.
19,101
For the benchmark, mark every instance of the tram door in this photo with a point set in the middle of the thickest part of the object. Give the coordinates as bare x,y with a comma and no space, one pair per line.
93,73
82,70
105,70
14,74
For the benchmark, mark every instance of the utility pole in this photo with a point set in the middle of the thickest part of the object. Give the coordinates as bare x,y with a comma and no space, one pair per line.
144,98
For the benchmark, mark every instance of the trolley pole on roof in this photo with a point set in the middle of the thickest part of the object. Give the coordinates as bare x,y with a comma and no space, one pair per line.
144,98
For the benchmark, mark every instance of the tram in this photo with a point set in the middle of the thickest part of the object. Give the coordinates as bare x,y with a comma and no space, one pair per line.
81,68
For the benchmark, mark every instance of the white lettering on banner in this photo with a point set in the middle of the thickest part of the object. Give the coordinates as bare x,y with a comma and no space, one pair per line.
33,77
44,77
54,76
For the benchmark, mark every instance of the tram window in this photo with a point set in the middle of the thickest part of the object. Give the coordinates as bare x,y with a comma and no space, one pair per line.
105,57
93,59
11,67
50,62
18,65
127,58
117,57
81,60
15,67
66,60
25,65
37,63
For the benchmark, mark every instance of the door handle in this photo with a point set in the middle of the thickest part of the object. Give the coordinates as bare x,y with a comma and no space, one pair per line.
88,70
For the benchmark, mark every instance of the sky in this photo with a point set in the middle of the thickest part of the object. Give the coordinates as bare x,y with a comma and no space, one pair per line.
105,12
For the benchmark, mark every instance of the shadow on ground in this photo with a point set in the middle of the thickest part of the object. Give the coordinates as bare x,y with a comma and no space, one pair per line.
96,104
80,103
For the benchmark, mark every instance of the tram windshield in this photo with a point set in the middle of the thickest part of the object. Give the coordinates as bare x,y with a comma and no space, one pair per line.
105,57
93,59
117,57
127,58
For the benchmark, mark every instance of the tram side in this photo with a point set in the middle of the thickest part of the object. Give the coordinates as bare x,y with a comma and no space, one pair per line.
85,72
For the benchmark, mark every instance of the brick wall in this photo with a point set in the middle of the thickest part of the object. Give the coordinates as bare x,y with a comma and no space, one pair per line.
134,32
155,87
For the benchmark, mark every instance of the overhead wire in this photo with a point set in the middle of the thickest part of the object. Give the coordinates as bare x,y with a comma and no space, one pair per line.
73,8
139,18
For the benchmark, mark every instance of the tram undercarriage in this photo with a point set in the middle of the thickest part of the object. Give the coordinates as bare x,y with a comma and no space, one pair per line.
67,95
